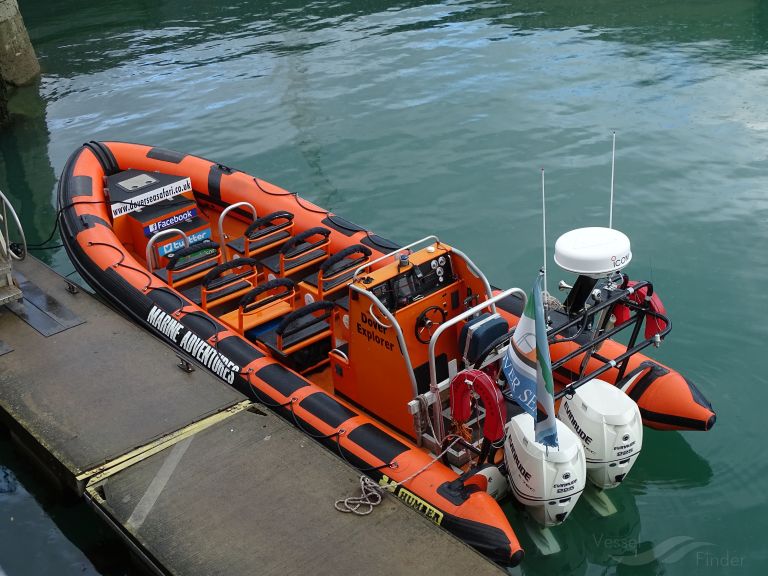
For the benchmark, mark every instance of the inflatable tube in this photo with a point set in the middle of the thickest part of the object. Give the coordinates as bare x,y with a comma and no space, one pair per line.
107,252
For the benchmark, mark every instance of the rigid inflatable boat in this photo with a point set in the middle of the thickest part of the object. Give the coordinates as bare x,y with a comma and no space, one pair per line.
386,354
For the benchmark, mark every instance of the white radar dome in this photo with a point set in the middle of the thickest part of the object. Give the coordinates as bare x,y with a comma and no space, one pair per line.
594,252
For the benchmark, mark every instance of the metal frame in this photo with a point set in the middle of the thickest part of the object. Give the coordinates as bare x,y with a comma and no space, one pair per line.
362,267
150,256
590,348
479,274
437,410
224,213
490,303
5,239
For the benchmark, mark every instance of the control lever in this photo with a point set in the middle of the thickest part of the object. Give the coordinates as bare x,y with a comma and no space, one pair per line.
563,286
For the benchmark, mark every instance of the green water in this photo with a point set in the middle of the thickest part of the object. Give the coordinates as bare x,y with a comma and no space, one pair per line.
414,118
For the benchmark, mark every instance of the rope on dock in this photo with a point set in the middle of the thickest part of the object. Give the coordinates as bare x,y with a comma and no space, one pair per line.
365,503
371,493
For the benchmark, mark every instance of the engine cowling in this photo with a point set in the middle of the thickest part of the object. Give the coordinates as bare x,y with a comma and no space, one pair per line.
609,425
547,481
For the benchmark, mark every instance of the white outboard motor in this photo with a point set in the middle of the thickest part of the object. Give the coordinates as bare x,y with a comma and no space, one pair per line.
608,423
547,481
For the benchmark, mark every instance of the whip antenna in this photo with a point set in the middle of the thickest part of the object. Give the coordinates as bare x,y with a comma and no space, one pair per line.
544,230
613,166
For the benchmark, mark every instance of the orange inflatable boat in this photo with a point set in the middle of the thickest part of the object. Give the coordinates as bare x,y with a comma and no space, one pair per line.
354,338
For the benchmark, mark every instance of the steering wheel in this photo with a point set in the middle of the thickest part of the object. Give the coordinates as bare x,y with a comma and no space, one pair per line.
427,323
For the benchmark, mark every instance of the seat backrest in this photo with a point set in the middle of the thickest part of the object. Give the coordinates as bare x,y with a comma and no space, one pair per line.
479,333
192,262
265,302
267,232
301,245
304,327
228,281
331,276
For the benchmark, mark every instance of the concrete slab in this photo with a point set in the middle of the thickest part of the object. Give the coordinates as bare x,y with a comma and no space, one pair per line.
253,495
99,389
230,489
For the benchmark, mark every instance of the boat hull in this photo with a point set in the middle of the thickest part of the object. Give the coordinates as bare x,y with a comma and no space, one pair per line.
380,452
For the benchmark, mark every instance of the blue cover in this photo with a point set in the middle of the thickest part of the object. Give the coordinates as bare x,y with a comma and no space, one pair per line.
493,326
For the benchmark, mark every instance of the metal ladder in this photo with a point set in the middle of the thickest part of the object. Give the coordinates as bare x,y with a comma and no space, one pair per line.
9,291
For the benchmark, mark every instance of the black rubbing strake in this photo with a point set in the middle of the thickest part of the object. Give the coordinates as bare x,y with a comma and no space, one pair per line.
377,442
166,155
489,540
201,324
327,409
677,421
281,379
113,166
239,351
697,396
104,156
80,186
341,225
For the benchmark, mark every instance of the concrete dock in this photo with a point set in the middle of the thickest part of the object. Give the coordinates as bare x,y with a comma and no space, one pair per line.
193,476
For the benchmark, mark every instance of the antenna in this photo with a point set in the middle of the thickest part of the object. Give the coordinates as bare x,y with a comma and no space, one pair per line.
613,166
544,230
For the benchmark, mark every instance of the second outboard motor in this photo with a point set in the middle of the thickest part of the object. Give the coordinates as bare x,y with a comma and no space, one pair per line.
608,423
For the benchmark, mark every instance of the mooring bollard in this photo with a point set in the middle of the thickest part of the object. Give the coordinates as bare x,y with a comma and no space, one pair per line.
18,62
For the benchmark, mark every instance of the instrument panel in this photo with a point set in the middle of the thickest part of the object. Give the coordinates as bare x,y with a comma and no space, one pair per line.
418,281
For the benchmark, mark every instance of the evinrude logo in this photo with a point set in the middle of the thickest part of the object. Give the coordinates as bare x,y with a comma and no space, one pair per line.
193,345
421,506
170,221
518,464
576,428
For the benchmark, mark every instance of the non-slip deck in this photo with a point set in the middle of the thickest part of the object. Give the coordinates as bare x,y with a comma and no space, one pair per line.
98,389
254,495
248,494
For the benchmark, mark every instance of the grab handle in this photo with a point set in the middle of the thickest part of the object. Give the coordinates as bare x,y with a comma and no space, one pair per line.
293,247
150,256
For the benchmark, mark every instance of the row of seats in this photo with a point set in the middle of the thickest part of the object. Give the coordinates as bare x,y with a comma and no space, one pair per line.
269,291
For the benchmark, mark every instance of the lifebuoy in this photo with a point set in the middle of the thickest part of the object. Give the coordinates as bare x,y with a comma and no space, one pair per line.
652,325
462,386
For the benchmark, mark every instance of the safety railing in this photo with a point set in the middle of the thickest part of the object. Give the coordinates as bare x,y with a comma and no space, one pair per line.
426,240
223,215
150,255
6,210
376,303
577,325
437,409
